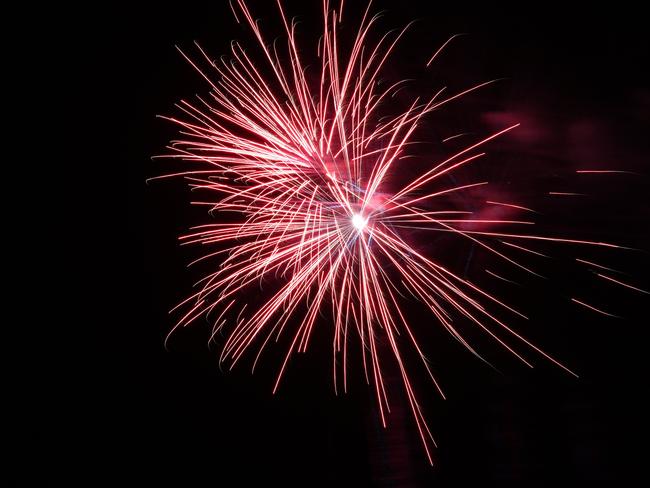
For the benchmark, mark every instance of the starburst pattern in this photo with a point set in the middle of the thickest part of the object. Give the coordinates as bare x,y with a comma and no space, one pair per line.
304,156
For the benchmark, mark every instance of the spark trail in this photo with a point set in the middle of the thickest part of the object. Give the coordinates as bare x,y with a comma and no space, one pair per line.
303,156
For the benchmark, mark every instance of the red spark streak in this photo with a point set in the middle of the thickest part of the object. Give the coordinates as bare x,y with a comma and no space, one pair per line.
597,265
591,307
297,152
518,207
500,277
609,278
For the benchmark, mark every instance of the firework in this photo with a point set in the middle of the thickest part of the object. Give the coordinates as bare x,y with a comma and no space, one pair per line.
304,156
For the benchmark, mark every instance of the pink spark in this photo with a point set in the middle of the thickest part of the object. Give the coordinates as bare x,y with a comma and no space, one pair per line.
301,155
518,207
609,278
591,307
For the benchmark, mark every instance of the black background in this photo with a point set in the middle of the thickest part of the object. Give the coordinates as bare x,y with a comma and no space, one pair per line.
143,414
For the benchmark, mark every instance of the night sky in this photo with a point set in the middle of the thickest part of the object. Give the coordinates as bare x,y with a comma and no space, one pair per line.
143,414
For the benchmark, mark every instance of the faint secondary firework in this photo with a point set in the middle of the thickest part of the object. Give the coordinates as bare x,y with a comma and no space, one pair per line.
305,157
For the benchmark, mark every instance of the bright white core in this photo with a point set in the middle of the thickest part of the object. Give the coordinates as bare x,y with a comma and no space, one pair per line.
358,222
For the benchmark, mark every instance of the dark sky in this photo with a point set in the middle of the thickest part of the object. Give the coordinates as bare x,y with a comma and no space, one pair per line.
142,414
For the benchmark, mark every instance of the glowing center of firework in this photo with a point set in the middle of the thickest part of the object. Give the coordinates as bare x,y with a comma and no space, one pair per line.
359,222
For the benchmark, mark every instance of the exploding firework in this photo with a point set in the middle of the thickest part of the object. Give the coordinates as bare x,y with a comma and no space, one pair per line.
305,156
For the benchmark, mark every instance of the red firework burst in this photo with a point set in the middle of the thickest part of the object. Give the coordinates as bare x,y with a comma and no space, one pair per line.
304,157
